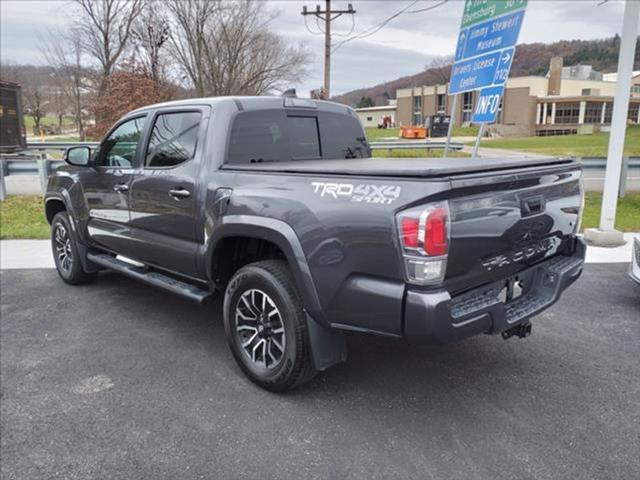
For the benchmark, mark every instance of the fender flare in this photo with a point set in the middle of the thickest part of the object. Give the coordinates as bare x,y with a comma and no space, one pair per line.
280,234
328,345
64,197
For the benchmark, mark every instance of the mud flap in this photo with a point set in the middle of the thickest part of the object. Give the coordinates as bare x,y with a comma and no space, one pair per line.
328,345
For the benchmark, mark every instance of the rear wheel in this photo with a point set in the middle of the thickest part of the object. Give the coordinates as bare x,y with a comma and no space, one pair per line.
266,326
65,251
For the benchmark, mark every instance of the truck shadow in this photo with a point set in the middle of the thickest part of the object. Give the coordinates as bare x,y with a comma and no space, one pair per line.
384,369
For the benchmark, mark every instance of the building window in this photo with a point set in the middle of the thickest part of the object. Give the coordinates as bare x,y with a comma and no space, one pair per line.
608,113
441,103
417,103
593,112
369,119
467,106
632,114
567,112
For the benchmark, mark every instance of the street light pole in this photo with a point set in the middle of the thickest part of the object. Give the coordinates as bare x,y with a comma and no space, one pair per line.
606,235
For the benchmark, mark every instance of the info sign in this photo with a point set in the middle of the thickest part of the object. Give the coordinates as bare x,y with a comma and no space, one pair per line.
486,44
487,105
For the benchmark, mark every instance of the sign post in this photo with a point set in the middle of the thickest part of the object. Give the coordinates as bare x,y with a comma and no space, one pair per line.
486,46
454,106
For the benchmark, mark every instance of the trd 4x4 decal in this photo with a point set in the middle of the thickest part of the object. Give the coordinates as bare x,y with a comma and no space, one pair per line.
367,193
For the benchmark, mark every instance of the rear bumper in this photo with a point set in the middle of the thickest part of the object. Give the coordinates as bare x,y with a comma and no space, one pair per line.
436,317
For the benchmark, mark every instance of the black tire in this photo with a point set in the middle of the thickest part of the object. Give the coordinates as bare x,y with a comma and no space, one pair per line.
294,366
65,251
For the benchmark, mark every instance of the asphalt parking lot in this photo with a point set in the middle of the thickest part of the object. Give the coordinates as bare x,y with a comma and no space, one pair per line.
118,380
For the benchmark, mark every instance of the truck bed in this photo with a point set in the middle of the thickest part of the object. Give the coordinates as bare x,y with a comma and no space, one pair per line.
398,167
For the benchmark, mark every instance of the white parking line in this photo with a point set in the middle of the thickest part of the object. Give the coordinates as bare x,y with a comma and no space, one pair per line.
17,254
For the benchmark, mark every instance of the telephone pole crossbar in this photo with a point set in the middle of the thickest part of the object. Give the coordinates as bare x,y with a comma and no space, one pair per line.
327,15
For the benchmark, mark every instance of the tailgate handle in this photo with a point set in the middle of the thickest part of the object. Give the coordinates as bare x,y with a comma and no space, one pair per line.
532,205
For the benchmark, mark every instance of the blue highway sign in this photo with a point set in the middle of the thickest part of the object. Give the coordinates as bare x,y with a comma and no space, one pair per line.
488,105
482,71
492,35
486,44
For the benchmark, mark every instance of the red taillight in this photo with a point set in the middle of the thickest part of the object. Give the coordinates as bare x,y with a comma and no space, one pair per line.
410,228
424,238
435,241
425,230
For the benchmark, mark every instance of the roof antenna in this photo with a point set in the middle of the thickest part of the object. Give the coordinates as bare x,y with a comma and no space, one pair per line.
290,93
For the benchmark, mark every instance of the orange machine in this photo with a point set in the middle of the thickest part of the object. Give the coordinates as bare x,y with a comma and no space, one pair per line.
413,131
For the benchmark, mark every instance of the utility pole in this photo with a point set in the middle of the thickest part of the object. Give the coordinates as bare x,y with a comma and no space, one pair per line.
606,235
327,16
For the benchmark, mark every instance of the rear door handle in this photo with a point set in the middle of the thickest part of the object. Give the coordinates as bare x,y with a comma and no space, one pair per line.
179,193
121,187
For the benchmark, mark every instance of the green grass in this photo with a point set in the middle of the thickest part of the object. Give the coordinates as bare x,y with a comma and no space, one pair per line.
627,213
595,145
470,131
375,134
23,217
49,120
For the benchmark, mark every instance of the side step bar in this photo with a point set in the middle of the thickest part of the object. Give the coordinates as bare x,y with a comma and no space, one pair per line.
152,278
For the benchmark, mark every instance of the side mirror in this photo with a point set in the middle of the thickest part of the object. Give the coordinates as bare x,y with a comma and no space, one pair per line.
78,156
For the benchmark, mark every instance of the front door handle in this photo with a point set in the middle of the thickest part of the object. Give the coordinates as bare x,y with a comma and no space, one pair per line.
179,193
121,187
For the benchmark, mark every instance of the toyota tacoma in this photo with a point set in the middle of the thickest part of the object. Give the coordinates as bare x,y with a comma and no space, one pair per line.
276,204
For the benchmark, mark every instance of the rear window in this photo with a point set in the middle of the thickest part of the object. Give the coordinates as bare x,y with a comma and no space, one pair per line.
342,137
274,136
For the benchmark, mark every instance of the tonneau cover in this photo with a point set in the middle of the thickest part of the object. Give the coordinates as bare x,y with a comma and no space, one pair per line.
398,167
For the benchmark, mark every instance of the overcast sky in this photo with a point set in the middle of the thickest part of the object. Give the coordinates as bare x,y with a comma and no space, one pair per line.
403,47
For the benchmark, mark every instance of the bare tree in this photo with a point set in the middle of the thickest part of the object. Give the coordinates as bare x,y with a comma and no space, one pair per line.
58,101
226,48
105,29
35,103
439,70
64,54
189,37
150,34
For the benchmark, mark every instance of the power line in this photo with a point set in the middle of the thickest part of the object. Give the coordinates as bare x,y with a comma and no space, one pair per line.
381,25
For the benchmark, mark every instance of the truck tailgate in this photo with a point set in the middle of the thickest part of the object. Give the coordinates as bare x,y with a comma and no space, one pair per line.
503,222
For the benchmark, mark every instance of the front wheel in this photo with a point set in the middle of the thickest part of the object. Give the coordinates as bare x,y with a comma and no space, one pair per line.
266,326
65,251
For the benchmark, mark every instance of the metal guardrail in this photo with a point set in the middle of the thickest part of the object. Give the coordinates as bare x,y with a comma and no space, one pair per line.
414,145
37,161
59,145
600,162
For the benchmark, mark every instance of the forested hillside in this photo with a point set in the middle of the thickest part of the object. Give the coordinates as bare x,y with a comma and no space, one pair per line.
530,59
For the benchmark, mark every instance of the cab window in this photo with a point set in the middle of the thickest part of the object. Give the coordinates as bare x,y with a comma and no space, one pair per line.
173,139
119,148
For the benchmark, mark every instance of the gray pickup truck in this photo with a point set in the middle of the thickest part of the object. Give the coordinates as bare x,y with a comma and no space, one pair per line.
276,203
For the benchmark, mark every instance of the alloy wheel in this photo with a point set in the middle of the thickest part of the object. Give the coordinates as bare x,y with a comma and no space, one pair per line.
260,329
64,253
